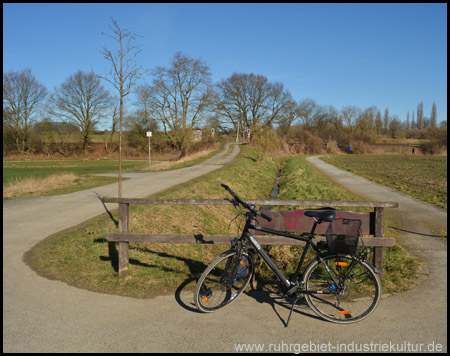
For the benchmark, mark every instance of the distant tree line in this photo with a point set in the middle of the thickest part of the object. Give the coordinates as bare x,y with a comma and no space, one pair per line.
181,97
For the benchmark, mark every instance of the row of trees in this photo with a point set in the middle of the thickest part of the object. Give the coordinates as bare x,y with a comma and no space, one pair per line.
80,100
180,97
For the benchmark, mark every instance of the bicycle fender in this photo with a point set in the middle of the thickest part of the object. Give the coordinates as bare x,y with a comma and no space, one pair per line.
223,254
375,269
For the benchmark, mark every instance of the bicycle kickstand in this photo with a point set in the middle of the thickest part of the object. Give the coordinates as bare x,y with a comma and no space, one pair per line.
297,297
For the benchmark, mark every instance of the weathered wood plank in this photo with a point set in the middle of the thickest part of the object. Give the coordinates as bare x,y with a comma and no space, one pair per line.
295,221
319,203
226,239
124,222
379,232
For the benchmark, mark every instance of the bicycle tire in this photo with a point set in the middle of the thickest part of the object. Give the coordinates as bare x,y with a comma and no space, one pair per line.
356,297
217,287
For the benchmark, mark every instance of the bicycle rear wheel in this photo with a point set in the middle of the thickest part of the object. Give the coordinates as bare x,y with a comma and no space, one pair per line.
351,296
223,281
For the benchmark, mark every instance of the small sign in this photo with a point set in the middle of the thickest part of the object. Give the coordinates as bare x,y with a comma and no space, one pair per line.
149,134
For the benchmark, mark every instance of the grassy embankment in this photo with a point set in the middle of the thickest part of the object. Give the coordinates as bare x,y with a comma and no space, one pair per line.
80,256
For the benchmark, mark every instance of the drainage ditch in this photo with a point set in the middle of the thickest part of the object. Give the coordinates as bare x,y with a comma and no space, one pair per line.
275,190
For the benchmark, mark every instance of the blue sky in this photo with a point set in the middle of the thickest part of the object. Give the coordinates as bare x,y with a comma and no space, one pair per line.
389,55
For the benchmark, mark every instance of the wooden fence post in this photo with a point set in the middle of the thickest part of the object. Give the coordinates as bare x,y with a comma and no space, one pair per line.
123,246
379,232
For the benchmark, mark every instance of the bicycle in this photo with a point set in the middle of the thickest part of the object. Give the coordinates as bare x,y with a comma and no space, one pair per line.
340,284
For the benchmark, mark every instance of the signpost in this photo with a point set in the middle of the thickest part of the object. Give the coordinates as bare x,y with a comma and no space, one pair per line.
149,134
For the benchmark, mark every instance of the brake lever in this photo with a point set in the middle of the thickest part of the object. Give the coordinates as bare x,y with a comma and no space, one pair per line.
232,201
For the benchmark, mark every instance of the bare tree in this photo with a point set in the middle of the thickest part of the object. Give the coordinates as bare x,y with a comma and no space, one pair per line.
386,121
322,116
366,120
232,100
22,97
251,101
179,96
306,111
259,90
124,73
289,114
420,119
395,127
142,120
279,104
378,123
82,101
350,115
434,116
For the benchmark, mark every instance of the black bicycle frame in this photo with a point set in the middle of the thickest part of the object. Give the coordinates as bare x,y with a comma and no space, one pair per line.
251,239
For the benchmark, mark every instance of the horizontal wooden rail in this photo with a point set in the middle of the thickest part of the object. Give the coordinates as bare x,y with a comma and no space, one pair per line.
226,239
323,203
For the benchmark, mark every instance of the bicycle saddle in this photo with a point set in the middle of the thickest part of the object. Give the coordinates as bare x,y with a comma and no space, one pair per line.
327,215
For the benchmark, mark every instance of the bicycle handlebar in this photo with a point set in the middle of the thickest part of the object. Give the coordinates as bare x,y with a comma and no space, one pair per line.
246,205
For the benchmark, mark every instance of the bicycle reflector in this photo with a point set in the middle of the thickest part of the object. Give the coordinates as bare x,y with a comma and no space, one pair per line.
344,312
206,299
242,269
341,264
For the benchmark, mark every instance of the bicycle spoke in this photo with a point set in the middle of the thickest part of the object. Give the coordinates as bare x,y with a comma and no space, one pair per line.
222,282
354,296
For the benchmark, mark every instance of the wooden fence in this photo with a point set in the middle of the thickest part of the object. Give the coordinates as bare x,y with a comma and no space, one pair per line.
373,224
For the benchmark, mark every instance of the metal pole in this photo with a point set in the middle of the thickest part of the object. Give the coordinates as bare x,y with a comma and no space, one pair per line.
149,160
149,134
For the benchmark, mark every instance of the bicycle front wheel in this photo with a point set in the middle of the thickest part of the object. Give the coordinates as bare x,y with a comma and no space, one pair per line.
342,288
223,281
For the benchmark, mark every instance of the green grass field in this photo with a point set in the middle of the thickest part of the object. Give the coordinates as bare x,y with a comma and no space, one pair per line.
27,178
35,178
23,169
421,176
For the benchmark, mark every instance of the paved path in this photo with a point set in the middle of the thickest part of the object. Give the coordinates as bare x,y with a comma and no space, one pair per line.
41,315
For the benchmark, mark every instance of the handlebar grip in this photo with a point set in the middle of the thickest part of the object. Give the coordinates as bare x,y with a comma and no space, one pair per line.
244,204
268,218
232,193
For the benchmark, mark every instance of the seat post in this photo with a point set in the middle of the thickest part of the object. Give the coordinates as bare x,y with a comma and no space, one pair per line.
316,221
